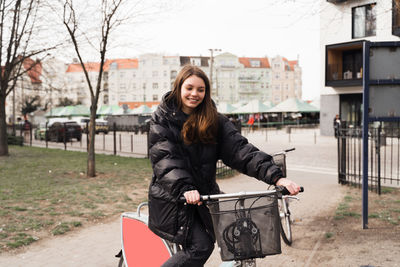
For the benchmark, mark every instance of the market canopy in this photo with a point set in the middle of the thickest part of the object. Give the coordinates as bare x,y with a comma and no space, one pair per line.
54,112
254,106
68,111
154,108
294,105
141,110
225,108
316,102
268,104
107,109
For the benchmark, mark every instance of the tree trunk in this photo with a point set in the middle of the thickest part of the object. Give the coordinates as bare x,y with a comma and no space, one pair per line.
3,127
91,163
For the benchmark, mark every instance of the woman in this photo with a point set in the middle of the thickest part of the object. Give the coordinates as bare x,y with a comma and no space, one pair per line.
187,137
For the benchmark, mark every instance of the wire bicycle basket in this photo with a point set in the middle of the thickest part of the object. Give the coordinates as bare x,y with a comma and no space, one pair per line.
247,227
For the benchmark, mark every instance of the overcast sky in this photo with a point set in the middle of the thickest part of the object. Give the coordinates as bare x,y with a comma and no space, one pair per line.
252,28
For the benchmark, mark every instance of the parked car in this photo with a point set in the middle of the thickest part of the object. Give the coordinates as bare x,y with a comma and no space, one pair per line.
40,131
101,126
60,130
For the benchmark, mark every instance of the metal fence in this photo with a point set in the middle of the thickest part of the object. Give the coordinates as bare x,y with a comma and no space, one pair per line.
120,140
383,156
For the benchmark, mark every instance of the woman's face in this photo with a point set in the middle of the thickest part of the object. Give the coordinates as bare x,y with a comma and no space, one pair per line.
193,92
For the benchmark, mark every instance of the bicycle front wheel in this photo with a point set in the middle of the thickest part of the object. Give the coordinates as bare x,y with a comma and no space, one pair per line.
286,228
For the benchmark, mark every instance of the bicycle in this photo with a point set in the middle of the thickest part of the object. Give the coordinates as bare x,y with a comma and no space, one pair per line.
248,225
286,222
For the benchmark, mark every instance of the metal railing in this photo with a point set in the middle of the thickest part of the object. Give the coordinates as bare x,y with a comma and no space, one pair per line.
383,156
120,140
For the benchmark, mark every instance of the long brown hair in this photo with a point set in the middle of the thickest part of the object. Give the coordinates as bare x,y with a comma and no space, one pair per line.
202,124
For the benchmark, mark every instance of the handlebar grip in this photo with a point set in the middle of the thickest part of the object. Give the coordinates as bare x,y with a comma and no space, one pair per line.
284,191
290,149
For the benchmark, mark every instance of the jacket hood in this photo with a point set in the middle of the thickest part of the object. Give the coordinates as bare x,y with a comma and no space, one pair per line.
168,111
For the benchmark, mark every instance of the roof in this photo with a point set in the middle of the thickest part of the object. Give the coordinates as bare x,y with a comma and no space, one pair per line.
34,69
290,64
246,61
188,60
90,66
122,63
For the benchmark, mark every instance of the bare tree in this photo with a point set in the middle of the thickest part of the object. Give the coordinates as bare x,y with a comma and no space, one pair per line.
108,22
17,30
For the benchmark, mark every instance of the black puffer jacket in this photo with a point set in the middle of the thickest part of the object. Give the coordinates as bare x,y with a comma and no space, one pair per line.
178,168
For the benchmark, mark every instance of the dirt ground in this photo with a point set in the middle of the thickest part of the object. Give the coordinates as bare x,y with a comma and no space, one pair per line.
331,239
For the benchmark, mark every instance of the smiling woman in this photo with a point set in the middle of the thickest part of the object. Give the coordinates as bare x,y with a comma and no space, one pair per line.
192,94
187,137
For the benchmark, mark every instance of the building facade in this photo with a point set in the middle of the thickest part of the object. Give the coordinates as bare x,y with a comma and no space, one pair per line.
131,82
345,25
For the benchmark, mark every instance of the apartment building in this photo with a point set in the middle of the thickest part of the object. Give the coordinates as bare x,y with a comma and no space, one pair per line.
254,78
345,26
286,80
131,82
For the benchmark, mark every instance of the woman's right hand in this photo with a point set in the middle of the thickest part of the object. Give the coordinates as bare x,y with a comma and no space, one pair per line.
192,197
291,186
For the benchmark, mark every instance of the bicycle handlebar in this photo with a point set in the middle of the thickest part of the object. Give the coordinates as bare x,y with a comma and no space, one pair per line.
290,149
278,189
284,151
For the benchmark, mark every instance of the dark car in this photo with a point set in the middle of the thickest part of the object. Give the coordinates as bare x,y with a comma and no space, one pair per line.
60,130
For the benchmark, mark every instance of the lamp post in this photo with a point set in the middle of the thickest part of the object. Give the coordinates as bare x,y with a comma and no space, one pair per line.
212,50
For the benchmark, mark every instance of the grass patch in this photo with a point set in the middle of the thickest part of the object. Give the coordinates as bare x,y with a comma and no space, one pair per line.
328,235
61,229
20,239
384,209
343,211
42,186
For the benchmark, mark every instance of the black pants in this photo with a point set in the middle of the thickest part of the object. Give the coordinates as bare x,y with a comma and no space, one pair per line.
198,250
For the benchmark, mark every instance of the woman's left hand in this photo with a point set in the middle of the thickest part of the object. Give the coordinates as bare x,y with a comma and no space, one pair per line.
291,186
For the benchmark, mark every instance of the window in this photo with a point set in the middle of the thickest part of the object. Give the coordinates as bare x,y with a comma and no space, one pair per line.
173,74
195,61
364,21
121,74
352,64
122,86
155,97
255,63
165,73
155,73
396,18
155,85
134,74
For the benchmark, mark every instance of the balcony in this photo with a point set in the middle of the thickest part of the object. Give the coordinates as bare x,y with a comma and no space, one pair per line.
344,64
249,79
